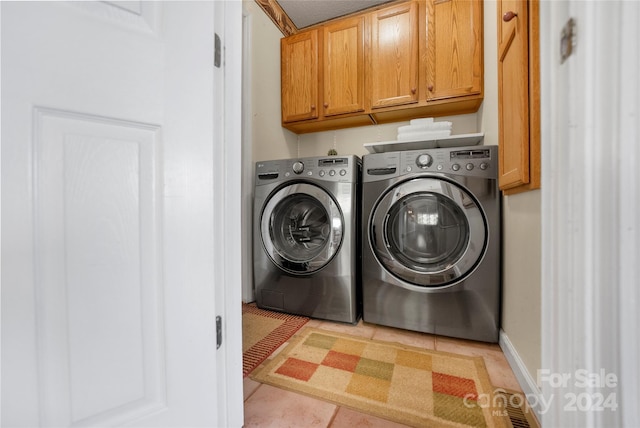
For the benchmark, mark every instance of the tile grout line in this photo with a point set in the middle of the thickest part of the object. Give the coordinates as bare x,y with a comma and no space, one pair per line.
333,417
253,392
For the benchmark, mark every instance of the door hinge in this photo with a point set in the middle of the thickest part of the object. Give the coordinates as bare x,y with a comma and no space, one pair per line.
217,48
218,331
568,40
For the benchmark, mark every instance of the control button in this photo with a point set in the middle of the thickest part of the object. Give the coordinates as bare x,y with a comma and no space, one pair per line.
424,160
332,172
469,166
298,167
455,167
408,168
310,173
322,173
484,166
343,172
286,174
439,167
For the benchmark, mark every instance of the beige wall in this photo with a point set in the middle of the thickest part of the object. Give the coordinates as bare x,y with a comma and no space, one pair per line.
521,276
521,213
269,139
350,141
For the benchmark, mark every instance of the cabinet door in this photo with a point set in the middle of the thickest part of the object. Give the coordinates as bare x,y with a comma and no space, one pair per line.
299,85
513,93
454,48
343,67
393,67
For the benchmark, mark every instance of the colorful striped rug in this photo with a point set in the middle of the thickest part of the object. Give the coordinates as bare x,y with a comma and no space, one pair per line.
408,385
263,332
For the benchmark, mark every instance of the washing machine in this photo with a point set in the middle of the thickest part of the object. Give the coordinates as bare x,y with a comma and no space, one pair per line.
307,237
431,241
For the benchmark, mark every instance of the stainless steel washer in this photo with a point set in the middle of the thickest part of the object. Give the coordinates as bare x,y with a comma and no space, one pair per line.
431,250
306,237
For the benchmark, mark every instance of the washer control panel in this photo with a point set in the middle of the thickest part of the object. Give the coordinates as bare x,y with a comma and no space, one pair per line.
332,168
424,160
298,167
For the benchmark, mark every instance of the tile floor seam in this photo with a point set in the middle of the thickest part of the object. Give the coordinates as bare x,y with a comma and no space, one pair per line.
253,392
333,418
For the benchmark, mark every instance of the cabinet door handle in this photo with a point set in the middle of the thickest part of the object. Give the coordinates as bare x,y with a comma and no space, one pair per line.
413,90
508,16
326,105
430,88
313,106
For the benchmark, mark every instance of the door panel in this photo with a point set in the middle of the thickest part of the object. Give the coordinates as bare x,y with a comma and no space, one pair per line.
95,200
394,56
454,48
513,93
299,63
343,67
108,267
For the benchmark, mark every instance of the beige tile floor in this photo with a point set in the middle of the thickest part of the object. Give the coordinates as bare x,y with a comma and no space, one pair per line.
267,406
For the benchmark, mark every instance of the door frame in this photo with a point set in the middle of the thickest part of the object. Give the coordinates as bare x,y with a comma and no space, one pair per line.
590,207
227,182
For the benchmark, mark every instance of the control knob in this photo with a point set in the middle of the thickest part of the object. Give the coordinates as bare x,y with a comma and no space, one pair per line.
298,167
424,160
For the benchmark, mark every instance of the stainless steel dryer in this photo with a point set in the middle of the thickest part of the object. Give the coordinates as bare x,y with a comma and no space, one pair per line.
431,232
306,237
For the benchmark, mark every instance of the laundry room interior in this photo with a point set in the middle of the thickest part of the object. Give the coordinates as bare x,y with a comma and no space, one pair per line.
266,139
320,213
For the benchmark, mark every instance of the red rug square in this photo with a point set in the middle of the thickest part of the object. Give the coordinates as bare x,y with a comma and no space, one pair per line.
341,361
297,369
453,385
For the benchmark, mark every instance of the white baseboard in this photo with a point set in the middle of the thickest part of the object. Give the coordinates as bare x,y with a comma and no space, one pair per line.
526,381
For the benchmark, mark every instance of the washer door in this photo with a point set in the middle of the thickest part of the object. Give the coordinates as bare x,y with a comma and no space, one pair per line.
429,232
301,228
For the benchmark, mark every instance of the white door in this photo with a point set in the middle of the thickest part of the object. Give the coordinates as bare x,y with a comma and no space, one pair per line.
590,210
111,116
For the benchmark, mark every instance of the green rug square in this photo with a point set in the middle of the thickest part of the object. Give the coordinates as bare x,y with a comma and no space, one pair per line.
458,410
320,341
373,368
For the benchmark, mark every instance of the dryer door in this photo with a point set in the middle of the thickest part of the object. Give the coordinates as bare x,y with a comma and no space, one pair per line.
429,232
301,228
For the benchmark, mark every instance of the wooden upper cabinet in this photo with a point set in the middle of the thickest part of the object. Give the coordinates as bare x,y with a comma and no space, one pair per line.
343,67
392,63
518,95
299,76
454,49
393,50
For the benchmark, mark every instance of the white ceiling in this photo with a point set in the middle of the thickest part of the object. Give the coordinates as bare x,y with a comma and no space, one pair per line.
305,13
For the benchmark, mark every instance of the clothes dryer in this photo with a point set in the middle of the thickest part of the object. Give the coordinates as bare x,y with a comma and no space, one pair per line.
306,237
431,232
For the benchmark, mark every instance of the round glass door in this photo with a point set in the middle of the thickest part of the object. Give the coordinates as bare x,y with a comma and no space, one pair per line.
301,228
428,232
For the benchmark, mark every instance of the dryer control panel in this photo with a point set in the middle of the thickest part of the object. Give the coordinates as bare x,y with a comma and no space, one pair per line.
474,161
